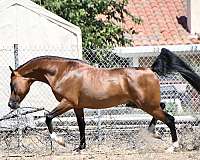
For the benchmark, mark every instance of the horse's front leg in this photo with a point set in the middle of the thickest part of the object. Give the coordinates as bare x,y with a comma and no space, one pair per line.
63,107
81,124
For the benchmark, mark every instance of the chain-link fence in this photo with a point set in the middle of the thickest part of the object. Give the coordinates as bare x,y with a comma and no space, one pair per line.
24,131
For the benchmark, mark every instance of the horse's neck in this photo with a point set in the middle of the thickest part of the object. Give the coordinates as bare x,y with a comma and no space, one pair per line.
47,71
39,72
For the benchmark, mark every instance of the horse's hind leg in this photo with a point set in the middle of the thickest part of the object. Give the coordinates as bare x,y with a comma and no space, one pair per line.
153,122
152,125
81,124
64,106
169,120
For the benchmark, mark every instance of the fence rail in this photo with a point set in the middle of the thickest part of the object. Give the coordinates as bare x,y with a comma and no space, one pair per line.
27,133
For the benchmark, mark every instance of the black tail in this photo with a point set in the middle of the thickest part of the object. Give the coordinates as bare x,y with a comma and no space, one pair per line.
168,62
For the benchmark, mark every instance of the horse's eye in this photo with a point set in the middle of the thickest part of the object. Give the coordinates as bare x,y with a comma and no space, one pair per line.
12,87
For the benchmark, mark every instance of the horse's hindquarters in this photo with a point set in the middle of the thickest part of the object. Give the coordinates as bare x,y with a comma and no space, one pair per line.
144,89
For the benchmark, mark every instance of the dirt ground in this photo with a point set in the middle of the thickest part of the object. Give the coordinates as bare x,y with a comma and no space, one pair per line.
145,148
113,155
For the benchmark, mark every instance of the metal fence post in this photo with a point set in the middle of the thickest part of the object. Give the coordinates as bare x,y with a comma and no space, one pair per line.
16,59
16,55
19,132
99,121
99,126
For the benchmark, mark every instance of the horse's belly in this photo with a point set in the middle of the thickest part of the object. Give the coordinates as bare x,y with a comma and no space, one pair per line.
103,102
106,92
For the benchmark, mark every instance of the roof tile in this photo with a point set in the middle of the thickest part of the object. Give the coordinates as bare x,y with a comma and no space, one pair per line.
160,24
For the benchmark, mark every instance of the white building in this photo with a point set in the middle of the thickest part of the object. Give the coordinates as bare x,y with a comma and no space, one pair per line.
37,32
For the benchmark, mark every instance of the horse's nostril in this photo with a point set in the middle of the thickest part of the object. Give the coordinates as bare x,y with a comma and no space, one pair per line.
13,104
10,104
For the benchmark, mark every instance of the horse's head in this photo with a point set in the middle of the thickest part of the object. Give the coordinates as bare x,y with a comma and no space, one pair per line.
19,86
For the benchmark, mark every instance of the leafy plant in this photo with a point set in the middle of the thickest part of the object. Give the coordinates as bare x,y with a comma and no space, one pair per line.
100,20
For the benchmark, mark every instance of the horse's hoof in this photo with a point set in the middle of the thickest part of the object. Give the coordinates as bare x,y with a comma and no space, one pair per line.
77,149
157,136
80,147
170,150
61,141
58,139
173,148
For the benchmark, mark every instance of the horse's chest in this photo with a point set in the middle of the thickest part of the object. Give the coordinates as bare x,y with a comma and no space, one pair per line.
68,87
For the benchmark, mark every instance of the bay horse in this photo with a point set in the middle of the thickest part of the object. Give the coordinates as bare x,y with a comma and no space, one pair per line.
78,85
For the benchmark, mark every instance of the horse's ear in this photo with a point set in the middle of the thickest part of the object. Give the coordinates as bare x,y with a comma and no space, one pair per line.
11,69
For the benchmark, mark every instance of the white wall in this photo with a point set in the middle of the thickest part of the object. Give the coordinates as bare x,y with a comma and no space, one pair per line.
6,59
193,13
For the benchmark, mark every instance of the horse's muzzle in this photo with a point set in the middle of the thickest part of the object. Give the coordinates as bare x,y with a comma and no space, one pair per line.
13,104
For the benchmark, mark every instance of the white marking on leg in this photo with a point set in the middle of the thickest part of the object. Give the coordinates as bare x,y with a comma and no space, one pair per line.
58,139
174,146
152,128
156,135
54,136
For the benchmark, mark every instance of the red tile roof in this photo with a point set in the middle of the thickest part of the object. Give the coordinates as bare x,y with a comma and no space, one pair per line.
164,22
